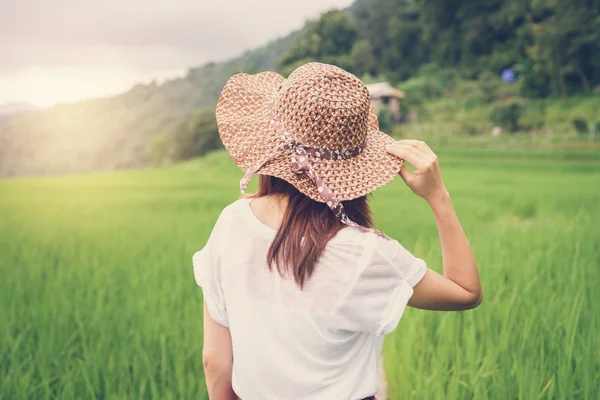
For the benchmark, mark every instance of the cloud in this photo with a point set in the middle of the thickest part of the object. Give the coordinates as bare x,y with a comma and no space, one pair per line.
65,50
149,34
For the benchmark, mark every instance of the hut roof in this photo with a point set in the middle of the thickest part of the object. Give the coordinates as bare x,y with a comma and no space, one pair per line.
384,89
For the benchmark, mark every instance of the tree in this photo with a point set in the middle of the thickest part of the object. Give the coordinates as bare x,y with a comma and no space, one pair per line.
554,45
507,116
327,39
363,61
197,137
569,44
490,84
161,148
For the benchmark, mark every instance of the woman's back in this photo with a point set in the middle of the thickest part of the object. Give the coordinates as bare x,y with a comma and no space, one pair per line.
303,300
321,341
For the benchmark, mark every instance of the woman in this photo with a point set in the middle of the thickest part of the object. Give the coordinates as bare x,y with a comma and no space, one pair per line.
297,285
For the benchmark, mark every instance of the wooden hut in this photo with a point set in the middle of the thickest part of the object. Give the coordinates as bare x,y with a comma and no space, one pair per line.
385,95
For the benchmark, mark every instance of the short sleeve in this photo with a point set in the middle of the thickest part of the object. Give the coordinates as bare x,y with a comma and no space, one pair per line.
377,300
207,271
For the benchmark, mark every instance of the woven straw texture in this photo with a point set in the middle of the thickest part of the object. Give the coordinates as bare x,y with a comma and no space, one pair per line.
319,105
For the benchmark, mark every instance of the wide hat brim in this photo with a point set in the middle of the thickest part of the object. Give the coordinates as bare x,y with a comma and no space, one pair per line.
245,127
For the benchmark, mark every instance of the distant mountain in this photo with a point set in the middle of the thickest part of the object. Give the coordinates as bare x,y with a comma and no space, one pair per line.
437,41
12,109
116,132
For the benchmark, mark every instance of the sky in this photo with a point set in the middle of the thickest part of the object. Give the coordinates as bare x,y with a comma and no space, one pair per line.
57,51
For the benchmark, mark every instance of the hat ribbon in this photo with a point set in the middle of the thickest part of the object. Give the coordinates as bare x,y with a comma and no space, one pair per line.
300,164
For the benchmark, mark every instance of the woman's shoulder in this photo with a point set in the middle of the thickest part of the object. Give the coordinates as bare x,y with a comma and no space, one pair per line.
378,251
357,237
237,205
230,214
234,208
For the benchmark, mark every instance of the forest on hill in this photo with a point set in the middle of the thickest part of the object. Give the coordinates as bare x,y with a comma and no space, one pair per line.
552,48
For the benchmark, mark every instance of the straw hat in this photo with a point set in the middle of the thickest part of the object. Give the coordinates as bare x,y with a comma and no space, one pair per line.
315,130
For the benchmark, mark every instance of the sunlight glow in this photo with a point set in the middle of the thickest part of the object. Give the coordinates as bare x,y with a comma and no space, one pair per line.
49,85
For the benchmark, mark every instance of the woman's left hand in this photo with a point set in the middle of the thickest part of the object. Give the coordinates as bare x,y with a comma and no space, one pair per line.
426,180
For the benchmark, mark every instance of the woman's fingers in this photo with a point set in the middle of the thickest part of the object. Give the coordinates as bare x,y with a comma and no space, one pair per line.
406,175
429,157
409,153
422,146
403,153
426,178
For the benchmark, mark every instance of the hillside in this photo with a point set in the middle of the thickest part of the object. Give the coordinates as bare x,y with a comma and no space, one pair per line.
451,58
115,132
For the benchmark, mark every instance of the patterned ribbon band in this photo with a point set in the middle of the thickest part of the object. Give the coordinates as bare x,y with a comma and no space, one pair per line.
300,164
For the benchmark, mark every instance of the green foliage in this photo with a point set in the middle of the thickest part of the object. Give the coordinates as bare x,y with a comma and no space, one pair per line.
363,61
421,89
161,148
328,39
507,116
447,78
568,42
469,128
535,81
449,119
554,46
386,121
393,29
197,137
581,126
490,85
98,299
368,78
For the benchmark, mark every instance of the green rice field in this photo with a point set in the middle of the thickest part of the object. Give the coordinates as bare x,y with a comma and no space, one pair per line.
98,298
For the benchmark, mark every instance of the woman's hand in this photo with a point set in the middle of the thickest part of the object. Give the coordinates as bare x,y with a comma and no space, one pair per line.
425,180
459,288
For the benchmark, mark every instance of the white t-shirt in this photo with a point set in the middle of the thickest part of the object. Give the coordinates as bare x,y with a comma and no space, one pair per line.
322,342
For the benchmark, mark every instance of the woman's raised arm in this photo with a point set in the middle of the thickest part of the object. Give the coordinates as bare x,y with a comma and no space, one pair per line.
459,288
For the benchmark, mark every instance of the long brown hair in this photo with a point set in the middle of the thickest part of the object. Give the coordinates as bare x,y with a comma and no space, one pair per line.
306,228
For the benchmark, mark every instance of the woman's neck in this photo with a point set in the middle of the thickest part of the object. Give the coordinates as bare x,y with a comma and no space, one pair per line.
270,209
